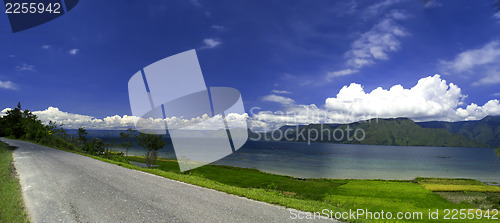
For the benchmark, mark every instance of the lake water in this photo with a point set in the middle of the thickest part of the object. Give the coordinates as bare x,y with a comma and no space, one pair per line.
323,160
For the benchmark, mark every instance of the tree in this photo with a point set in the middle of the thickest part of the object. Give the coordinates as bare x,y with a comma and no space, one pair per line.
82,135
126,138
13,120
94,146
498,152
151,144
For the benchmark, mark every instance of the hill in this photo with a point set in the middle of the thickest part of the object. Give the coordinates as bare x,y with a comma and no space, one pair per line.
396,131
486,130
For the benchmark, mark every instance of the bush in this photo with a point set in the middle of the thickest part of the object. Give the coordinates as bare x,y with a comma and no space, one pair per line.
94,146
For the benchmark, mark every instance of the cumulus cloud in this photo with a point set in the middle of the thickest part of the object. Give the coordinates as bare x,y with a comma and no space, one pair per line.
25,67
116,122
4,111
211,43
482,61
432,98
474,112
280,92
8,85
278,99
73,51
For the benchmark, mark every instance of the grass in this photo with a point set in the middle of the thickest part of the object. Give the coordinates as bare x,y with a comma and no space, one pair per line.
466,191
455,185
315,195
11,205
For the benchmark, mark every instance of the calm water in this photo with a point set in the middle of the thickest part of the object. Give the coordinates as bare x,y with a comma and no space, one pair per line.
323,160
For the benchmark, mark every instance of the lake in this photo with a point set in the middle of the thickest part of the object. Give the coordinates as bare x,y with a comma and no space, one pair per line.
343,161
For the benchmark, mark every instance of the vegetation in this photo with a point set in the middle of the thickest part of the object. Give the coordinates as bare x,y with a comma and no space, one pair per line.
486,130
397,132
126,138
466,191
151,144
11,205
82,135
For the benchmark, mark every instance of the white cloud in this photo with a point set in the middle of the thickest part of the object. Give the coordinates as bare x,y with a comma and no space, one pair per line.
45,46
432,98
218,27
432,4
378,7
496,15
474,112
280,92
8,85
469,59
73,51
375,44
116,122
331,75
4,111
399,15
496,94
210,43
481,61
195,3
25,67
278,99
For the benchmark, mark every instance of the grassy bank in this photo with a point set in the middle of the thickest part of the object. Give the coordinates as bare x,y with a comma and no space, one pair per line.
11,205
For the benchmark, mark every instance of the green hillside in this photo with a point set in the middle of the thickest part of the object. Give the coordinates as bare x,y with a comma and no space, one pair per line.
486,130
398,132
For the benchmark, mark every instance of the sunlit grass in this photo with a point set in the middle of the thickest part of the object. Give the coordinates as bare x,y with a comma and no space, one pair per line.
11,202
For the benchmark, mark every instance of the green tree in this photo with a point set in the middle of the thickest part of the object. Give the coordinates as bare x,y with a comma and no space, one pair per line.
151,144
13,120
498,152
126,138
82,135
94,146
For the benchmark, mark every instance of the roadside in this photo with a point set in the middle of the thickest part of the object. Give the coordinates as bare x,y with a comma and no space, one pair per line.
11,205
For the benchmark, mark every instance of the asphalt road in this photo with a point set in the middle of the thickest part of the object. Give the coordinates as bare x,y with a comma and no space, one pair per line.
60,186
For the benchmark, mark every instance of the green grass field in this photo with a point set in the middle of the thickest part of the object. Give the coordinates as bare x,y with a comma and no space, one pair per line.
11,205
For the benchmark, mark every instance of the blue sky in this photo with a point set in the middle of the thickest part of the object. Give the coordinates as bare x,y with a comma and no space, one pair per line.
281,55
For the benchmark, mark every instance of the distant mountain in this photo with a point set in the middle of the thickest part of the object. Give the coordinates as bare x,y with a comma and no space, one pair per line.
486,130
396,131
